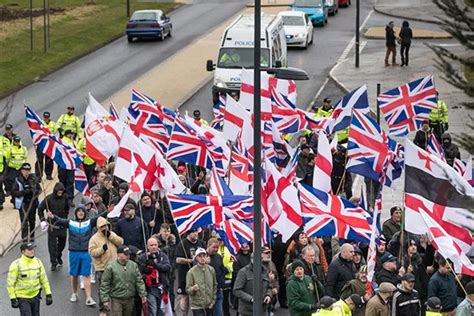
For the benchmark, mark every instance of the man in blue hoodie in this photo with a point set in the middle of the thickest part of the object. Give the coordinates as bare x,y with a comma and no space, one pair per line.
80,231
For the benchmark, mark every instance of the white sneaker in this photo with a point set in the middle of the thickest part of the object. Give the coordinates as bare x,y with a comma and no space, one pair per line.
73,297
90,302
92,279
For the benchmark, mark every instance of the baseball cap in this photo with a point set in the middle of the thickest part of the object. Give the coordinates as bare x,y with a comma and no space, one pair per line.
197,113
434,303
129,206
386,287
357,250
327,100
123,249
408,277
8,126
470,288
200,251
16,138
326,302
27,245
363,268
387,257
47,114
70,107
26,166
357,300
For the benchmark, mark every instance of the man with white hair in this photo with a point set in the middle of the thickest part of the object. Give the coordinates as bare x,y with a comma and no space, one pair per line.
341,270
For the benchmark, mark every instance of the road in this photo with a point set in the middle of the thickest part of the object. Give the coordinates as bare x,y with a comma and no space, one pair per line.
113,66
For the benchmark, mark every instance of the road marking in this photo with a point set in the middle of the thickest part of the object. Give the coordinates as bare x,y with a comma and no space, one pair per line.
341,58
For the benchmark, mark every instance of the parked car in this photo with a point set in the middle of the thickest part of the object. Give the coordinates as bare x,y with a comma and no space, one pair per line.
298,28
148,24
344,3
333,6
316,10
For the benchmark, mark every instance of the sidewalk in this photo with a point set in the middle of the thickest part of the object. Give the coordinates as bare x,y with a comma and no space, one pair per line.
417,10
373,71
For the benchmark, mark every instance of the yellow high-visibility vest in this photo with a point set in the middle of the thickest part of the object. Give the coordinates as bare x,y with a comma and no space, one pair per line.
68,122
440,114
51,125
81,146
26,277
18,155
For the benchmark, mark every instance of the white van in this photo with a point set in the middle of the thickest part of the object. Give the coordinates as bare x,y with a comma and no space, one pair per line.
236,51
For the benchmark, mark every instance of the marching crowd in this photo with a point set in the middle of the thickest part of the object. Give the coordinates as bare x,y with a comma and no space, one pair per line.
139,261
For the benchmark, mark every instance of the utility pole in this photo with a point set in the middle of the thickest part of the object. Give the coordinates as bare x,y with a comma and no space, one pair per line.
128,8
257,203
31,24
357,38
45,31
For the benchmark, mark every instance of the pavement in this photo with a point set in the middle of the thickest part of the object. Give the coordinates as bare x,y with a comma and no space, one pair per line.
422,63
417,10
378,32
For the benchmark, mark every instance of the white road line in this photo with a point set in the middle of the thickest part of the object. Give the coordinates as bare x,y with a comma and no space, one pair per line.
341,58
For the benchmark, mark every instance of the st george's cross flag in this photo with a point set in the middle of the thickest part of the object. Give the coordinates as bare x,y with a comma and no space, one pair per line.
433,187
323,164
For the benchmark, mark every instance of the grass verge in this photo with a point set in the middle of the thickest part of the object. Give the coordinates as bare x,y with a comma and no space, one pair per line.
82,28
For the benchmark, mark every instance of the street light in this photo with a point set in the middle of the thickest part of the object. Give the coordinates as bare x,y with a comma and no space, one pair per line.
281,73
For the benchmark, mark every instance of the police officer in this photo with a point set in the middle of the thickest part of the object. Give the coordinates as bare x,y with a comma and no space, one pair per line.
325,110
87,162
25,192
66,177
198,119
7,137
26,278
42,159
3,160
17,156
69,121
439,118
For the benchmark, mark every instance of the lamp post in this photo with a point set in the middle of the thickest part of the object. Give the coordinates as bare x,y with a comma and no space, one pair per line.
357,37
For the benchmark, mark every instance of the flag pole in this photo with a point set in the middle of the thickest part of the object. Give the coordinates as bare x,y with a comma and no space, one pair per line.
43,188
456,277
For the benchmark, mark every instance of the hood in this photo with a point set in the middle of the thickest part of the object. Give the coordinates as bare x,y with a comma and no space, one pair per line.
446,136
294,29
80,207
101,221
402,289
388,28
86,200
58,187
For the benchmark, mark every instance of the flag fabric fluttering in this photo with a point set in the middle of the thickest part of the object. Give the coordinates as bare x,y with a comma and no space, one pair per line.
64,156
234,233
80,181
405,107
323,164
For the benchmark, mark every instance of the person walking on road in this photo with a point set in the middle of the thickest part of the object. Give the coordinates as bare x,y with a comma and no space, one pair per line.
201,285
43,162
69,121
25,191
26,278
16,157
405,35
121,282
57,203
103,250
80,232
390,44
438,118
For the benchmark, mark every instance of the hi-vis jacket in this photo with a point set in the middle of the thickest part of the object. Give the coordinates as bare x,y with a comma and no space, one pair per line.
26,277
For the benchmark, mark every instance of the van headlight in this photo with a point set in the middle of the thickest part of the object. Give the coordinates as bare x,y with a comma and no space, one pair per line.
218,82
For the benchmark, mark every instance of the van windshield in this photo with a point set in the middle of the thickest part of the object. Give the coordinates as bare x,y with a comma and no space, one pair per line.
308,3
293,20
241,58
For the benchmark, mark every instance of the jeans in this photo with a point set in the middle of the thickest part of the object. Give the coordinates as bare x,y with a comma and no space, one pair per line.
393,51
154,302
404,49
203,312
217,308
28,220
30,306
181,307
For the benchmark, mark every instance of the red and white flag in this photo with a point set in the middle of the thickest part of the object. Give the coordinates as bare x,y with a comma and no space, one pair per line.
323,165
167,178
372,253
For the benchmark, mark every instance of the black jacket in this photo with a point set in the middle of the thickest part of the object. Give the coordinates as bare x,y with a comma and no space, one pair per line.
405,303
421,139
218,264
149,214
58,205
422,278
387,276
389,37
30,192
406,35
156,261
340,271
132,232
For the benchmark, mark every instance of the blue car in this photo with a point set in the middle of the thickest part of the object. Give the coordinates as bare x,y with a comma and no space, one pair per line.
316,10
148,24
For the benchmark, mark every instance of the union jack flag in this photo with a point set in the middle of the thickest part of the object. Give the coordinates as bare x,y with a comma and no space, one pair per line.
465,169
285,116
218,110
368,151
63,155
166,115
435,148
188,146
194,211
218,185
234,233
331,215
113,111
80,181
407,106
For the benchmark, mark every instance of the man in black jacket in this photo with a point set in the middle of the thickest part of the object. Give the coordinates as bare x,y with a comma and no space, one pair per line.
405,301
422,136
389,270
25,192
57,203
132,228
216,261
451,151
341,270
155,268
390,44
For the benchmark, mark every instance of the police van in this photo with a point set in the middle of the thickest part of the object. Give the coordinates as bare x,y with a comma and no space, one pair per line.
236,51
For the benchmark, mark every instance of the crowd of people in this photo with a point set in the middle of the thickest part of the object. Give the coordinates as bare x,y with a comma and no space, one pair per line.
138,261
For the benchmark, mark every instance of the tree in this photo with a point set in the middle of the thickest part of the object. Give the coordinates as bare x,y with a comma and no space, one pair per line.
459,22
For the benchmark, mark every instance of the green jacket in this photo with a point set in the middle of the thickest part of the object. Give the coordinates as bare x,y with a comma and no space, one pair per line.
121,281
205,278
301,296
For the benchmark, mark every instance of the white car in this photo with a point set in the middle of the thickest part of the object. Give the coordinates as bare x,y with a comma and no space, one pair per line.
298,28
